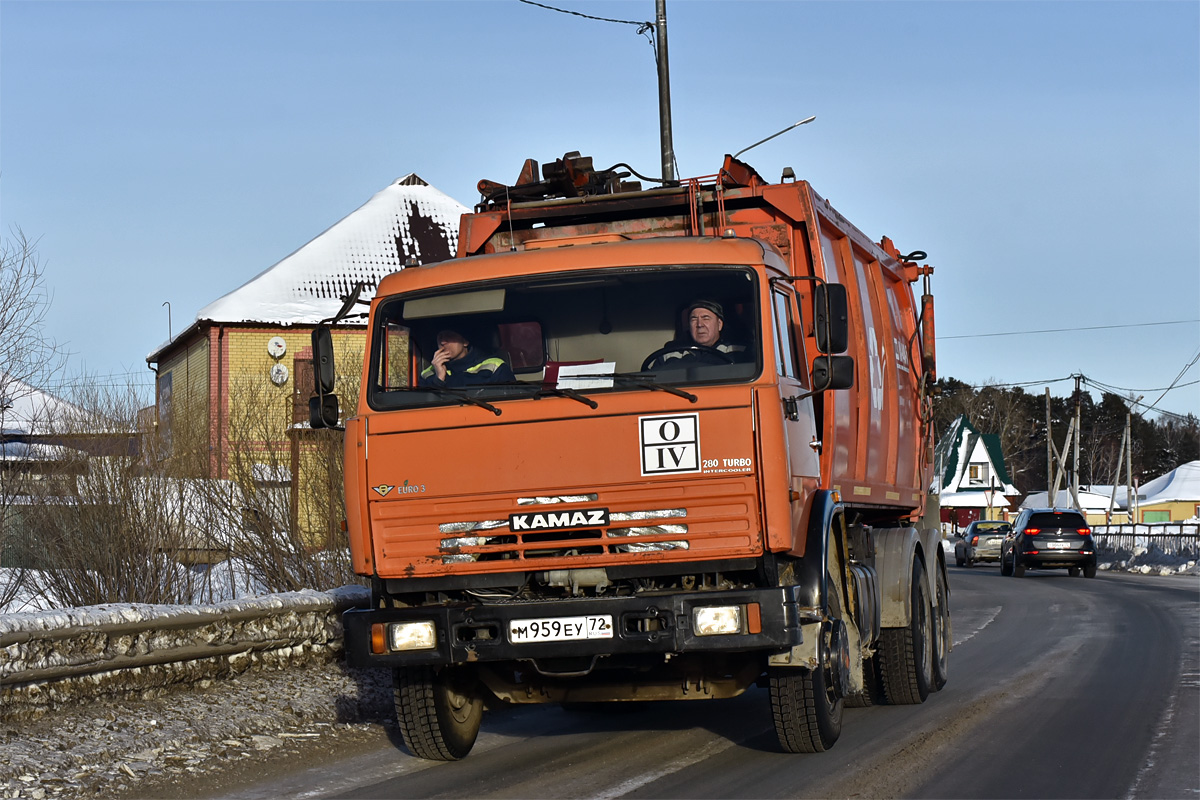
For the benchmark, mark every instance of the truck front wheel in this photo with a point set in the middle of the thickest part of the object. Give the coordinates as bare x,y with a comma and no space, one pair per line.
805,703
905,654
439,711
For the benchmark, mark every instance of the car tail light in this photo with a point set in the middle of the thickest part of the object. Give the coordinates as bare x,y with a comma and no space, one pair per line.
974,541
1032,531
1084,531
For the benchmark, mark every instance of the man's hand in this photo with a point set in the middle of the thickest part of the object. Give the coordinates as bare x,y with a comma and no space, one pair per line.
440,357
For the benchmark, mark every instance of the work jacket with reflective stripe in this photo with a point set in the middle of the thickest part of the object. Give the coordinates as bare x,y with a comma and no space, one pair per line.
473,369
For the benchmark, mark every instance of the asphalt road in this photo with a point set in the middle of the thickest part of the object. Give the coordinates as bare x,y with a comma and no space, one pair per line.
1059,687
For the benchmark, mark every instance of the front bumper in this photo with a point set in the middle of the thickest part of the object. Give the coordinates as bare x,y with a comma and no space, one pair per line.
479,632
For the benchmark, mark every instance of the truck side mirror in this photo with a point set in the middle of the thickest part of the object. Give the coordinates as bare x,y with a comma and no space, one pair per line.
323,412
832,321
832,372
322,348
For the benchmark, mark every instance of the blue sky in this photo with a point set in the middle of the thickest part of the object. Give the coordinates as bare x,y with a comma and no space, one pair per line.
1045,154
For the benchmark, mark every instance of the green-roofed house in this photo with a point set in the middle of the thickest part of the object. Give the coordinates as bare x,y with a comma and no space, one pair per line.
970,476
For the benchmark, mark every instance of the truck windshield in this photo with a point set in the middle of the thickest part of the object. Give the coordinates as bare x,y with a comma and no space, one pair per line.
573,335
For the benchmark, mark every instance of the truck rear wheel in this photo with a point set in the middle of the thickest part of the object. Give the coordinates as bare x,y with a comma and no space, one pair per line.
905,654
942,633
439,711
872,693
805,705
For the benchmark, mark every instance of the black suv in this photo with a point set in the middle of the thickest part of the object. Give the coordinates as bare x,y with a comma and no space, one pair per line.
1049,538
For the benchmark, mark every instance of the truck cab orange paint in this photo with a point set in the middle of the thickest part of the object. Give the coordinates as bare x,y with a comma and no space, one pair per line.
693,421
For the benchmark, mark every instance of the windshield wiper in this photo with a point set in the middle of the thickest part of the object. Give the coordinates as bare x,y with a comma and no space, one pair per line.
457,394
647,380
562,391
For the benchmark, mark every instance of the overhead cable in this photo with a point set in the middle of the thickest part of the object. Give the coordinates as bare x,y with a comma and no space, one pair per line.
1068,330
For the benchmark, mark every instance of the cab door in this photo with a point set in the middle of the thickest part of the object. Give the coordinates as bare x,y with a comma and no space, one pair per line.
800,429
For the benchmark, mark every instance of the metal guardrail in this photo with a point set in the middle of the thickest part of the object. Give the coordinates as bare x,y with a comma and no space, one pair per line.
1170,538
57,656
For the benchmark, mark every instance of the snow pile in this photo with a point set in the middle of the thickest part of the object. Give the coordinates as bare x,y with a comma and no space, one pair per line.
54,657
1152,561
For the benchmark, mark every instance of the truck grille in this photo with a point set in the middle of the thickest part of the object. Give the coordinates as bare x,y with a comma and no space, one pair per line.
709,520
564,543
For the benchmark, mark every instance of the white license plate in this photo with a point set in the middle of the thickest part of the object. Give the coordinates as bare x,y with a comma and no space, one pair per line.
1058,545
560,629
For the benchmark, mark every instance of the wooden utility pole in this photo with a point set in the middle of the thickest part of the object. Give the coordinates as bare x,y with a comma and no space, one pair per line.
1112,500
1075,454
664,94
1051,482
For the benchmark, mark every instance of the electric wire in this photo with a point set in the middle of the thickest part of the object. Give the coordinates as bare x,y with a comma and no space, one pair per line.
1182,372
643,28
1069,330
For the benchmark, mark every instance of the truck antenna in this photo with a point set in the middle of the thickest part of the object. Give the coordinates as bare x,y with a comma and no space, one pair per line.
773,135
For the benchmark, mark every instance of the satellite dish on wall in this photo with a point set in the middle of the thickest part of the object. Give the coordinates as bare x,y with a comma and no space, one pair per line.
279,374
276,347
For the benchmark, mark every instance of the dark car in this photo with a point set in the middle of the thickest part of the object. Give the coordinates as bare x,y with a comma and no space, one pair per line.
981,541
1049,538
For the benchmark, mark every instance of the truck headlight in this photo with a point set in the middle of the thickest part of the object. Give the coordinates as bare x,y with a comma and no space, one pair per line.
412,635
716,620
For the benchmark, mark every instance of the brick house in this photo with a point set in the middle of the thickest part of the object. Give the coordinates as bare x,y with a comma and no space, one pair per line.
232,389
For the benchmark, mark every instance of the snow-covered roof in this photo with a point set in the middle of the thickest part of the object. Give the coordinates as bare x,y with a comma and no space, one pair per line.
25,409
408,219
1181,484
977,499
1092,502
959,448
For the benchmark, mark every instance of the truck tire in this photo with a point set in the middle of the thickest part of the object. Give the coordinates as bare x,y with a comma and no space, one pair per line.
872,693
942,633
905,653
808,718
439,712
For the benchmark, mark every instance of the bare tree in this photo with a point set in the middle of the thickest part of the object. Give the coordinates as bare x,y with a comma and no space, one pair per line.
28,359
291,479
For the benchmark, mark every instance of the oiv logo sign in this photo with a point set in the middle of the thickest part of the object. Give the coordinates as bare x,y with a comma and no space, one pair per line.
670,444
583,518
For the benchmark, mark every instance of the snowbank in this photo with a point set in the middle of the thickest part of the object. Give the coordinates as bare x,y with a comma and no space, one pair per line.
51,657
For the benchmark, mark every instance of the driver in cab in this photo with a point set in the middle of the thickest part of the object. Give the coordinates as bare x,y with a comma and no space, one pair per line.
705,321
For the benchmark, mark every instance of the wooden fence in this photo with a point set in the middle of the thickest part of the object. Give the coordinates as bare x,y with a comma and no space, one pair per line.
1171,538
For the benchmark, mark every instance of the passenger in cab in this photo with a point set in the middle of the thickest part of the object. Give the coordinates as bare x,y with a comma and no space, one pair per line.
705,344
456,364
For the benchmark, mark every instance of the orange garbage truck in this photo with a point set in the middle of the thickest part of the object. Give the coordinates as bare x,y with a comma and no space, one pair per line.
635,444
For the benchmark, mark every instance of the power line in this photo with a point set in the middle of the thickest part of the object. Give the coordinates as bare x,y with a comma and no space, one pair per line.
589,16
1069,330
1127,389
1186,367
644,28
1018,385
